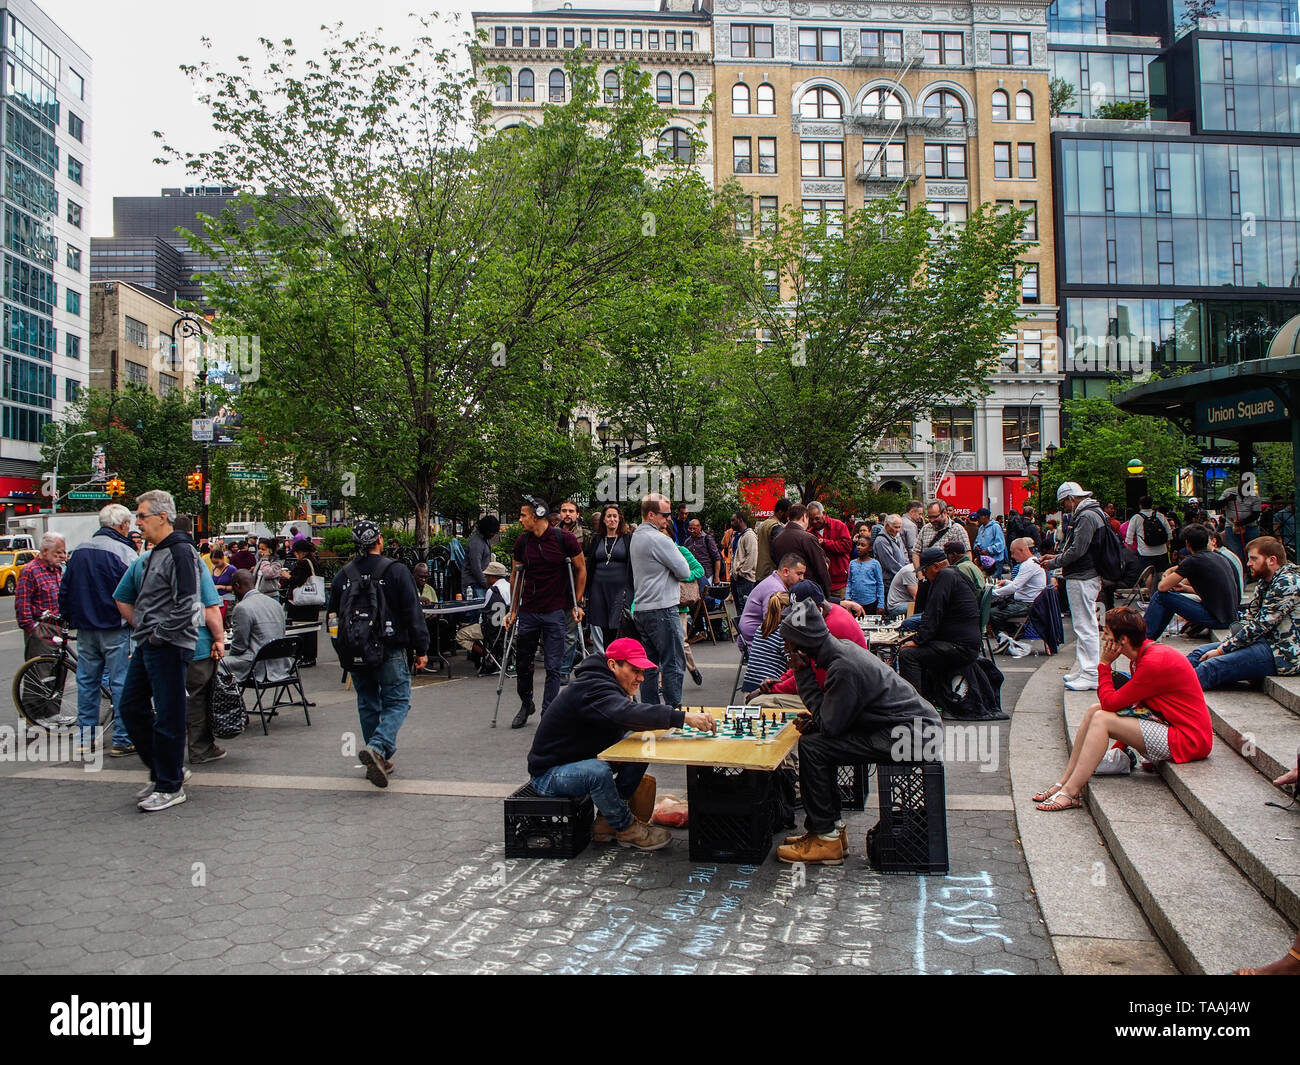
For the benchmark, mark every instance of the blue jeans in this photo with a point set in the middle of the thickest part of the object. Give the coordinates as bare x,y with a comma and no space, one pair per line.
1237,544
609,784
101,652
549,630
157,674
1251,663
661,633
912,624
383,701
1164,605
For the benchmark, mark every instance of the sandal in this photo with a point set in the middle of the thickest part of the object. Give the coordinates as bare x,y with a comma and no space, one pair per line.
1256,972
1047,793
1062,800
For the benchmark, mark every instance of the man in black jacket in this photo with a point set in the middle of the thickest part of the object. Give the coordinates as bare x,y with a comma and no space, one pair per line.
949,636
864,712
595,711
797,540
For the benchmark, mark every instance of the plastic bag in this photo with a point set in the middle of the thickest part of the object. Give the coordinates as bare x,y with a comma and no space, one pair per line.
671,812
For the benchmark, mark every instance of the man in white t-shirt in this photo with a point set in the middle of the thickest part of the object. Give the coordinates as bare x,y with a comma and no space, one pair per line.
1152,545
902,591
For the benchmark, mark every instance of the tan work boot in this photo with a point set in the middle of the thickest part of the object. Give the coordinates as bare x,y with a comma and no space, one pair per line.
642,802
644,837
844,838
812,850
602,831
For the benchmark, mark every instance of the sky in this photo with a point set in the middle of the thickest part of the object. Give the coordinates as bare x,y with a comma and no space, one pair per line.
138,46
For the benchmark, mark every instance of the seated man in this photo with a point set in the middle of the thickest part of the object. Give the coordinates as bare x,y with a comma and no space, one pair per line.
949,636
1267,642
862,712
960,560
496,605
789,572
782,692
1204,573
428,594
595,711
902,592
1160,710
256,620
1218,546
1012,599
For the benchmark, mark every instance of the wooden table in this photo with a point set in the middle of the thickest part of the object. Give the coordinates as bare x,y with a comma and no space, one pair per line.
885,643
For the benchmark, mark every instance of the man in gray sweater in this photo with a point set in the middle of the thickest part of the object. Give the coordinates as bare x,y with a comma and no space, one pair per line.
658,569
1074,565
863,712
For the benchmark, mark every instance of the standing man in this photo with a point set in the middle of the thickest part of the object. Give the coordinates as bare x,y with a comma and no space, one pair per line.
36,593
705,549
1148,535
373,589
744,559
990,540
767,531
541,573
658,569
911,527
86,600
837,543
939,530
165,620
681,524
796,539
478,554
568,522
889,549
1082,582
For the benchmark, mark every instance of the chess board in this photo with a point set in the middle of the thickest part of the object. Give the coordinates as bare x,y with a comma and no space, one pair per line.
678,746
751,723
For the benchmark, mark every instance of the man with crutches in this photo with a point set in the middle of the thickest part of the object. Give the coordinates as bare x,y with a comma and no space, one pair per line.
546,588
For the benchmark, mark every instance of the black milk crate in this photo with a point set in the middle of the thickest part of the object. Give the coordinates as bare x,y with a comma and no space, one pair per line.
542,827
853,782
732,814
912,833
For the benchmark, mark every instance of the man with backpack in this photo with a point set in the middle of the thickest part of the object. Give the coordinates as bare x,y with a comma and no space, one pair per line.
379,622
1148,535
1090,553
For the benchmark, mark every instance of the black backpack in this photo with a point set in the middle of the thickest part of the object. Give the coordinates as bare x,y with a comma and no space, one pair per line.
1107,552
363,618
1154,533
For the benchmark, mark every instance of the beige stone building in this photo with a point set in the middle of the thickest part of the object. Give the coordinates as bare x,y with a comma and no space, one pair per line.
130,341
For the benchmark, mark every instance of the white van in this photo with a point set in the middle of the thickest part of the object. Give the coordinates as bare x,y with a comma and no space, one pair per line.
241,530
21,542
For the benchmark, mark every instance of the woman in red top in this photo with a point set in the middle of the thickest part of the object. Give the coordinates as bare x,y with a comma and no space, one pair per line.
1172,722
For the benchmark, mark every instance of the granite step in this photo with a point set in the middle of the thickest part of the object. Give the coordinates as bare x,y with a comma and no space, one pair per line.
1286,690
1257,727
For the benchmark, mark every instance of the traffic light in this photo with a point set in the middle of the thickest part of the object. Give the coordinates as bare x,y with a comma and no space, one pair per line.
194,482
116,487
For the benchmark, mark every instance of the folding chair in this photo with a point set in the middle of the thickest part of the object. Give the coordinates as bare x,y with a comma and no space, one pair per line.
285,647
1027,630
709,614
986,610
733,621
1139,595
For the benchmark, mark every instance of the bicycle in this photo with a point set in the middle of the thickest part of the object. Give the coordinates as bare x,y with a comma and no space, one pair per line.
39,684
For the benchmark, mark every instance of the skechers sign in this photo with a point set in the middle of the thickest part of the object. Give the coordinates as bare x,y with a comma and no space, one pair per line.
1235,412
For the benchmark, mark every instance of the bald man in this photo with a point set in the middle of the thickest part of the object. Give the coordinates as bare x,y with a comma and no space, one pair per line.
257,620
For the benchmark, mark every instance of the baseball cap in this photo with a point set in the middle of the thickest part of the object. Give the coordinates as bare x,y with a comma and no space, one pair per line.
983,512
807,590
629,650
1071,488
365,533
931,555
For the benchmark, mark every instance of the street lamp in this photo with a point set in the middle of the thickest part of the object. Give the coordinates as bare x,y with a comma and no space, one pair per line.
189,327
1136,467
1027,452
1051,455
54,481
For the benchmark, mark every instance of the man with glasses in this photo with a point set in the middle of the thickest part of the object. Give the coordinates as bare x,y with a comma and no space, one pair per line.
939,529
658,569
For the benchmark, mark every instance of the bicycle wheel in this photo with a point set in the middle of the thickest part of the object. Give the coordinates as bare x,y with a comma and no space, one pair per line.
39,688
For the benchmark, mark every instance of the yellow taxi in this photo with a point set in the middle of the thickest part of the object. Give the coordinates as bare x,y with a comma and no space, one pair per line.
10,563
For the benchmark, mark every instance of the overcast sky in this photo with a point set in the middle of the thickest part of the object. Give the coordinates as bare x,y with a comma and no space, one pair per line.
137,47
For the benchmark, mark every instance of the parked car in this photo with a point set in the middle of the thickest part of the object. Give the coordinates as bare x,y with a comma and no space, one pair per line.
10,563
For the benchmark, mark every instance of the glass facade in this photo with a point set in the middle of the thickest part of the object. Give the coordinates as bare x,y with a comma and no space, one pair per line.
1100,78
1253,86
1077,19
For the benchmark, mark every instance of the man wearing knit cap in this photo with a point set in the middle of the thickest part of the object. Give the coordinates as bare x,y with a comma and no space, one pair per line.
862,712
949,636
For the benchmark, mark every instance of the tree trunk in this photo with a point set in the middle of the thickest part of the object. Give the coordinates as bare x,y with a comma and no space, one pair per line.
423,493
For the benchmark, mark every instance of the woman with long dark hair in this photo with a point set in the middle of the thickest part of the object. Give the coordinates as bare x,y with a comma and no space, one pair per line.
303,567
609,576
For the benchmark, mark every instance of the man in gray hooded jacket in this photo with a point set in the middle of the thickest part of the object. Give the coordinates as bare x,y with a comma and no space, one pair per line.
1075,567
862,712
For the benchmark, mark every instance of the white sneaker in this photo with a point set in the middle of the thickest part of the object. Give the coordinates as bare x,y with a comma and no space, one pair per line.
162,800
152,786
1081,684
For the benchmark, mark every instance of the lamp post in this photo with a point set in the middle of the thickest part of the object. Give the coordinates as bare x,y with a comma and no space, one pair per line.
603,434
188,327
54,480
1051,455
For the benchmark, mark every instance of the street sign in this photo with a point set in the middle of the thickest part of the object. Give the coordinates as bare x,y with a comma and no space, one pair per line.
248,475
320,502
201,430
89,495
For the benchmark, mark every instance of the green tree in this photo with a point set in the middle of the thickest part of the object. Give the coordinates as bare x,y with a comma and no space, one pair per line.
1275,464
1061,96
1131,110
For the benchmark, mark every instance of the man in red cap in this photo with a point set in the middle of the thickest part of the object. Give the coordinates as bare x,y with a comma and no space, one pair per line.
595,711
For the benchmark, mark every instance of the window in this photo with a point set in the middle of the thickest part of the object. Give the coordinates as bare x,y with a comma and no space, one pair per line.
526,84
945,161
767,155
954,429
534,37
71,389
72,345
74,258
29,237
29,285
1030,232
943,48
829,211
1024,160
74,213
766,99
29,425
751,41
602,38
611,86
670,40
882,104
620,38
768,213
568,37
741,160
137,333
745,219
664,88
883,160
500,37
676,144
948,213
557,86
72,301
771,280
822,158
167,384
819,46
137,374
652,39
74,169
636,39
821,103
503,87
516,36
740,98
883,44
688,41
1002,160
945,104
1001,106
1031,354
1009,49
1021,424
29,333
686,90
1024,107
584,37
75,126
31,143
1029,283
552,37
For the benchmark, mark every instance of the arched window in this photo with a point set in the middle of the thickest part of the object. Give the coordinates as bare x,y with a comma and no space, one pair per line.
821,103
945,104
766,99
526,84
1024,107
611,86
740,98
557,86
686,89
676,144
664,88
1001,106
503,87
881,103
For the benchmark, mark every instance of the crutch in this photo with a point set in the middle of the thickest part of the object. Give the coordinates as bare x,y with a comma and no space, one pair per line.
510,639
573,590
